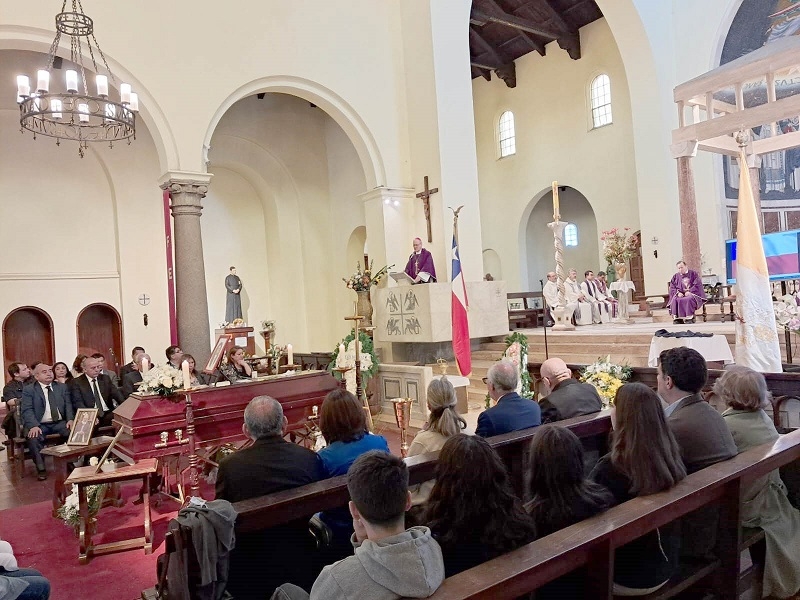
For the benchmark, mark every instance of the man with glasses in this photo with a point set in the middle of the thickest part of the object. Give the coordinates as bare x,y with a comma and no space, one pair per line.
511,412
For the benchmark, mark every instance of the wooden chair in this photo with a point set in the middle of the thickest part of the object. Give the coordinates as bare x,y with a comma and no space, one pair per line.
20,443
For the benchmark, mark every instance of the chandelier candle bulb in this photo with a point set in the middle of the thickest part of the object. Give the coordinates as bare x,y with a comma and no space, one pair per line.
125,93
289,354
134,103
102,85
83,109
23,86
43,81
55,106
187,375
72,81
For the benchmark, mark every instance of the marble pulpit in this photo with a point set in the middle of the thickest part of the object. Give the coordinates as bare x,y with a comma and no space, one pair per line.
421,313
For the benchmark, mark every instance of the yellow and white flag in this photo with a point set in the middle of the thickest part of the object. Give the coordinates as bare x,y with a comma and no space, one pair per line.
756,333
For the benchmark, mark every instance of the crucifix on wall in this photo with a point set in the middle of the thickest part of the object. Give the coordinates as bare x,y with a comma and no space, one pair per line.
426,201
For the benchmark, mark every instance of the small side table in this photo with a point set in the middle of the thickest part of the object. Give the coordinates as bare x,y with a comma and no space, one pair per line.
63,455
85,476
623,288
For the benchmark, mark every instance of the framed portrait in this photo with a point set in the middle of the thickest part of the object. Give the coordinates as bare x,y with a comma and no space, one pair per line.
216,354
82,425
534,303
516,304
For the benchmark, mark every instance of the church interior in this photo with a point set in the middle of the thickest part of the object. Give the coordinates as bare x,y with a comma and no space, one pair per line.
273,149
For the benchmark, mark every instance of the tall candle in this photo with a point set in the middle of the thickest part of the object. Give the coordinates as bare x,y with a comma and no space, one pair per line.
289,354
341,348
187,375
145,365
556,212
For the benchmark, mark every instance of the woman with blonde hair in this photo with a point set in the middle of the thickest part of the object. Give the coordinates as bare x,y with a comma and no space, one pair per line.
765,503
444,422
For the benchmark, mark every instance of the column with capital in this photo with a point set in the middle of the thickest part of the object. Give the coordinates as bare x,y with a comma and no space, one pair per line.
562,319
187,191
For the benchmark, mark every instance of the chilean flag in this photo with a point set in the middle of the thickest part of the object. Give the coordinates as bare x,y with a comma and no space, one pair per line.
461,349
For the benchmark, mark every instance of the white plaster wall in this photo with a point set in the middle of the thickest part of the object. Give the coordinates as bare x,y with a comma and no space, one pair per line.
80,231
555,142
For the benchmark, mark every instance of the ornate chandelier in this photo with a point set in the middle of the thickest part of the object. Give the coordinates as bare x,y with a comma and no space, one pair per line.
76,114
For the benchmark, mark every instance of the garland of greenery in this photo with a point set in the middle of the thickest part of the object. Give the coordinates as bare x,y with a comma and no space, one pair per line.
524,375
367,347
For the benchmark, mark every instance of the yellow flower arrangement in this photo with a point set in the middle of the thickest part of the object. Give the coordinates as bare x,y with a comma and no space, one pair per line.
607,378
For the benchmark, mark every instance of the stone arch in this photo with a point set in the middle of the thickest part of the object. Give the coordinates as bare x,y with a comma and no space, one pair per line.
334,105
39,40
536,239
357,245
492,264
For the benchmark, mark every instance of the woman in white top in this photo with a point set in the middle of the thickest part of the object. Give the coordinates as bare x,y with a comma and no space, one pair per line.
444,422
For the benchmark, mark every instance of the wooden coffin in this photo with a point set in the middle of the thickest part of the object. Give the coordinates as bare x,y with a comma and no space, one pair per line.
218,412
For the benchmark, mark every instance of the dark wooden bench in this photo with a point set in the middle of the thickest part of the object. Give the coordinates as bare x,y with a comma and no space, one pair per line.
526,316
591,543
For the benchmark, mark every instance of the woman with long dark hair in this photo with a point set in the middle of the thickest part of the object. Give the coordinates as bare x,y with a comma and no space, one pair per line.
61,372
472,510
644,459
443,423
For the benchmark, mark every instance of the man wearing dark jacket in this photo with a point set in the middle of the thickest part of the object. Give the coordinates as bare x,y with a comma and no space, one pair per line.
568,397
94,389
263,560
511,412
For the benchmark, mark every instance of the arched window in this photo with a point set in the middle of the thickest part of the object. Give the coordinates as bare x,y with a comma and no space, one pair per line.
508,144
571,235
601,101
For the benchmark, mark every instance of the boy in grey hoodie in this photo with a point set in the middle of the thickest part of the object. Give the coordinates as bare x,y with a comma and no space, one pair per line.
390,561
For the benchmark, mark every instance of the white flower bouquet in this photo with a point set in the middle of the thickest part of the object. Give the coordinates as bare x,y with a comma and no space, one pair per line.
164,381
70,510
787,313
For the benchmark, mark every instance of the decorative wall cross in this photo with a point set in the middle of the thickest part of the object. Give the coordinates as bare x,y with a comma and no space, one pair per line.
426,201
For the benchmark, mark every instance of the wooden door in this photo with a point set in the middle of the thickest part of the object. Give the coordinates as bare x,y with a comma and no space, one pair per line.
28,337
637,267
100,330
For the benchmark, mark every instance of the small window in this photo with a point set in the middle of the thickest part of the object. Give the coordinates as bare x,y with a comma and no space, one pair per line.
601,101
508,144
571,235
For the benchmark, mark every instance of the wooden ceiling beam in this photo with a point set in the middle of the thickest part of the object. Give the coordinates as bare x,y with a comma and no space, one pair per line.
555,16
487,48
503,18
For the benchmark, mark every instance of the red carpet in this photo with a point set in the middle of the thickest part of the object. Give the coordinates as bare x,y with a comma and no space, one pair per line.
45,543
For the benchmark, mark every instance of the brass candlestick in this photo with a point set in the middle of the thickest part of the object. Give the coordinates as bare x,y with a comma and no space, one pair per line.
402,414
194,459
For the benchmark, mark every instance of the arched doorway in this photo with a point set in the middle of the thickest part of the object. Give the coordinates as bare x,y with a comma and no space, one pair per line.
99,329
28,337
637,267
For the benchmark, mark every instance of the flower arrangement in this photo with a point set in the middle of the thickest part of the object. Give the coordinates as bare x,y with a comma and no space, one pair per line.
607,378
368,359
361,281
787,313
275,352
69,512
517,352
618,245
164,381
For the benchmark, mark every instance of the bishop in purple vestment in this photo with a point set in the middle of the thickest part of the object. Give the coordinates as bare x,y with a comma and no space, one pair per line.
420,264
686,293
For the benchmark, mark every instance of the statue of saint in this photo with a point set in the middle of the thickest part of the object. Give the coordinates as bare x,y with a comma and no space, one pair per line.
233,303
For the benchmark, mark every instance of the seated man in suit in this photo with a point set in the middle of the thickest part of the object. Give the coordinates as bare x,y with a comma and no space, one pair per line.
131,366
132,379
701,433
94,389
511,412
263,560
174,356
105,371
46,409
567,397
12,393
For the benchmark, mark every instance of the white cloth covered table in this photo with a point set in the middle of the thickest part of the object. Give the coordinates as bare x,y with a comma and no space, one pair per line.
714,348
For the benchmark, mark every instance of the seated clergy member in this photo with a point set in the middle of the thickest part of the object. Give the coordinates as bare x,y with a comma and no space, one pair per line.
263,560
600,307
94,389
602,285
512,412
568,397
132,379
131,366
389,560
701,433
686,294
550,293
574,295
420,264
46,409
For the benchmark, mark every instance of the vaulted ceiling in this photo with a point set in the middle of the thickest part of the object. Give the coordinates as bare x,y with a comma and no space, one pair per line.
500,31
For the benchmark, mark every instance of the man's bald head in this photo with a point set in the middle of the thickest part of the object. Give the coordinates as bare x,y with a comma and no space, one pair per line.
263,417
555,370
551,276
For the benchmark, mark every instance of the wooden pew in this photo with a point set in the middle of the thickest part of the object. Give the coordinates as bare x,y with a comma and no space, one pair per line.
591,543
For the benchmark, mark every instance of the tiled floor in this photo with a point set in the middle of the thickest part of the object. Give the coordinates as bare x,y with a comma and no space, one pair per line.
27,490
